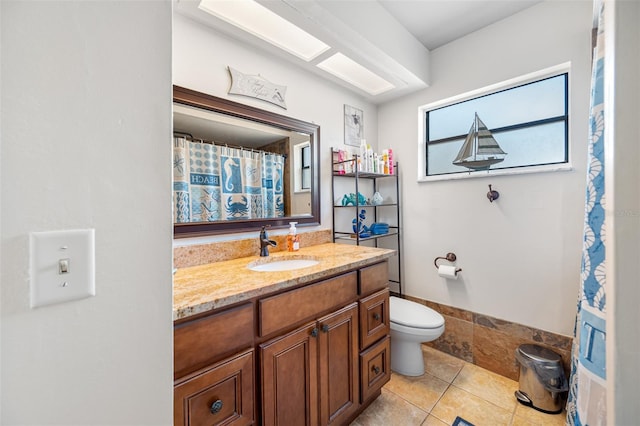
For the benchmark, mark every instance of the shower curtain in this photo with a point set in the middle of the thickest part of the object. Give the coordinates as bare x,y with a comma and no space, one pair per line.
586,404
212,182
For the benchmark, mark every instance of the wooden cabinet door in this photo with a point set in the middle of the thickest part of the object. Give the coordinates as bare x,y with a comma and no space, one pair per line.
338,365
289,377
220,395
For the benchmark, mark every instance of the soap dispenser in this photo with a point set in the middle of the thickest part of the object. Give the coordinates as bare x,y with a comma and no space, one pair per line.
293,239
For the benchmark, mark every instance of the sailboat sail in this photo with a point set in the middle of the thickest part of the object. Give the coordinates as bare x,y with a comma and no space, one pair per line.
480,149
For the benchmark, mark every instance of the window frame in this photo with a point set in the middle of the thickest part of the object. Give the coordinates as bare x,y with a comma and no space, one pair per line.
488,91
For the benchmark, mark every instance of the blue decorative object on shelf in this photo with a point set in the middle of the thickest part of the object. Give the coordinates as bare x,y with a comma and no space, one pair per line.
359,227
379,228
350,200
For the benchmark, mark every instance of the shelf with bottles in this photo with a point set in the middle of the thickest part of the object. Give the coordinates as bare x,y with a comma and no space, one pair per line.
366,208
352,165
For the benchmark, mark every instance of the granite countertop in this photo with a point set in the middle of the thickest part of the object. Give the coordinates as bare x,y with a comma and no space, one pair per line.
202,288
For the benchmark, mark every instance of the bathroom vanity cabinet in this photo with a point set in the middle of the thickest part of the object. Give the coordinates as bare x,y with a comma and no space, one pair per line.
214,369
313,354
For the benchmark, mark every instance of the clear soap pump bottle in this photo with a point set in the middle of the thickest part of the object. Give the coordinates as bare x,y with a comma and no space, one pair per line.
293,239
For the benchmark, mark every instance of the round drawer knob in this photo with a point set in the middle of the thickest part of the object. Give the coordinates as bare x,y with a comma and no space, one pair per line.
325,328
376,369
376,316
216,406
314,332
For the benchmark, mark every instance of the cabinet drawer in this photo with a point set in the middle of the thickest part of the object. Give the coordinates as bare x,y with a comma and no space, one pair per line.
220,395
200,342
374,318
373,278
295,306
375,368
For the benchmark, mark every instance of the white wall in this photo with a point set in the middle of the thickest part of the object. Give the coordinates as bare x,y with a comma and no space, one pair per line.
86,119
622,178
200,60
520,255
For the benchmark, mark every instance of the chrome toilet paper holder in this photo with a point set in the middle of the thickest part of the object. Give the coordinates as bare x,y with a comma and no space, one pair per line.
451,257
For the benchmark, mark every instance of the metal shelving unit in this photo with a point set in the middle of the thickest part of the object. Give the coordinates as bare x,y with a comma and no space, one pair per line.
343,231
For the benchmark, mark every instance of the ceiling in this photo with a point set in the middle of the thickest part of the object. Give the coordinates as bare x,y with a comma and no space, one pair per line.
437,22
392,38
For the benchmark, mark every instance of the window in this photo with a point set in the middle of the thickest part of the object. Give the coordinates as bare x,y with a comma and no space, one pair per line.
517,127
306,167
302,167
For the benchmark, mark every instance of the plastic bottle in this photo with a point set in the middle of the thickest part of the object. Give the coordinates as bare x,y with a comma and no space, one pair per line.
369,159
390,161
363,156
293,239
385,162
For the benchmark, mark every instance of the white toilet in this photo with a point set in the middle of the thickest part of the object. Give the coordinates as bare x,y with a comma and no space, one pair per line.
411,324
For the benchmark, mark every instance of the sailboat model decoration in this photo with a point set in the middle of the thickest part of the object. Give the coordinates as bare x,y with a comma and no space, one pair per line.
480,150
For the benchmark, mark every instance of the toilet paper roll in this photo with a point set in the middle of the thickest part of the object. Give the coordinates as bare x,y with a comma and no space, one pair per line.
447,271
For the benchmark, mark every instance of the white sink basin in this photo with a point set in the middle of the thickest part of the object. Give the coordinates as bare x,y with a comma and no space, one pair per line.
281,265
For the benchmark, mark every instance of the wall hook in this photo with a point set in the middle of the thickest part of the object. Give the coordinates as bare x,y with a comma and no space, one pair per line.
492,195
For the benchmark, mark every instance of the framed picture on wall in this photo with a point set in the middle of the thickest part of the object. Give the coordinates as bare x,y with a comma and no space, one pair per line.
353,125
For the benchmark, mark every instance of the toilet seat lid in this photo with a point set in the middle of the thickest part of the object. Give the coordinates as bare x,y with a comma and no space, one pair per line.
411,314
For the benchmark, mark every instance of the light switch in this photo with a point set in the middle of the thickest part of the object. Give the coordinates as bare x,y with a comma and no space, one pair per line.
62,266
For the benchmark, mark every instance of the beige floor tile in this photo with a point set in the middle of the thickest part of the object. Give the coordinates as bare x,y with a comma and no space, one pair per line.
457,402
444,366
390,409
528,416
423,391
487,385
434,421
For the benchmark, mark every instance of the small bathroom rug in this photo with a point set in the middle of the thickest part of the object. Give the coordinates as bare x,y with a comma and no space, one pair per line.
459,421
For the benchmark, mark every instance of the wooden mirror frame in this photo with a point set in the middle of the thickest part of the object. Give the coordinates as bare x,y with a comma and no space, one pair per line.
203,101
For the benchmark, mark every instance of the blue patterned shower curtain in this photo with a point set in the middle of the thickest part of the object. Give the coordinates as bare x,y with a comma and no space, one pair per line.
586,404
212,182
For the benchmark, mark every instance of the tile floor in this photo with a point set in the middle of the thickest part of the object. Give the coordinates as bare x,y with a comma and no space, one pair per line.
452,387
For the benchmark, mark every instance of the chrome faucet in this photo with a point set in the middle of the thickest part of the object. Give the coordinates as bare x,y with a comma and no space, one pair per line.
265,242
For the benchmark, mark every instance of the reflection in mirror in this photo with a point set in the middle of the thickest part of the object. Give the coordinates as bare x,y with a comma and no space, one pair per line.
237,168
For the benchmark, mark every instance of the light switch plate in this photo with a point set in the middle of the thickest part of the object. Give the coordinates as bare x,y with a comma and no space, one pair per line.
62,266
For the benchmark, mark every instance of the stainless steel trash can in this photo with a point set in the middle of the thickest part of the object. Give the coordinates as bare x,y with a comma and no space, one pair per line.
543,384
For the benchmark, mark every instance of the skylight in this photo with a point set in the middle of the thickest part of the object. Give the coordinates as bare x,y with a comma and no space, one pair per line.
352,72
263,23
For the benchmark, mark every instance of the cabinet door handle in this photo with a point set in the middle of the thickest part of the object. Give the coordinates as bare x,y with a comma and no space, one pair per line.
376,316
325,328
314,332
216,406
375,369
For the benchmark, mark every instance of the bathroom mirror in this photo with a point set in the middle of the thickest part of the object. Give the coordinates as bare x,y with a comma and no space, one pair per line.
237,167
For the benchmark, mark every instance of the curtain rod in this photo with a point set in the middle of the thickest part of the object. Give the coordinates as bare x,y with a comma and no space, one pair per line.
189,136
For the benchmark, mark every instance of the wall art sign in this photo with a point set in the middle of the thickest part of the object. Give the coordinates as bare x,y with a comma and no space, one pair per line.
353,125
254,86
